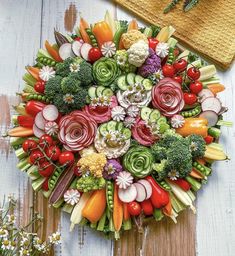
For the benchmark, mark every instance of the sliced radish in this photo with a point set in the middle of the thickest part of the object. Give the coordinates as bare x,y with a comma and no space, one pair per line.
147,186
141,192
76,46
211,117
211,103
50,113
84,50
65,51
205,93
40,121
127,195
37,132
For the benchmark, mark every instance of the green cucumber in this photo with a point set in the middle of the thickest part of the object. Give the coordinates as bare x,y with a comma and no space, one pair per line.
147,84
99,91
127,133
145,113
111,126
107,93
154,115
121,82
161,120
163,127
138,79
92,92
130,78
103,129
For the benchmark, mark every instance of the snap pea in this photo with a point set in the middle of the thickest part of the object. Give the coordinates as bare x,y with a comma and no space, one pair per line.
55,177
191,112
46,61
109,194
202,168
171,56
164,185
38,97
92,37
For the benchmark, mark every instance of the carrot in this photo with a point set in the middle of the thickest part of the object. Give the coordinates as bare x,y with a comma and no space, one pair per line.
121,45
34,72
133,25
126,214
167,210
201,161
195,174
82,28
95,206
53,52
20,132
102,32
216,88
117,210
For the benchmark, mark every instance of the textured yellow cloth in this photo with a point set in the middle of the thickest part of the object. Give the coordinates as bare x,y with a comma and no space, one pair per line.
208,29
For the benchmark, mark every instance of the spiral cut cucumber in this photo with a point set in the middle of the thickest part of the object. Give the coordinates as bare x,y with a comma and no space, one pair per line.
138,161
105,71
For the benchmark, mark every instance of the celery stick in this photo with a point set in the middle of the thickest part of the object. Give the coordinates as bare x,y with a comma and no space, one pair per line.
158,215
176,204
127,224
194,183
116,235
16,141
172,42
101,222
20,153
37,184
43,53
28,89
111,225
225,123
23,164
214,132
46,193
83,222
30,80
191,195
59,203
67,208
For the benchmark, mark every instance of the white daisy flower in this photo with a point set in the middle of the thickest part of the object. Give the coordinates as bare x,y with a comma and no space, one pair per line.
74,67
11,219
108,49
173,175
6,245
55,238
3,233
68,98
46,73
162,49
24,252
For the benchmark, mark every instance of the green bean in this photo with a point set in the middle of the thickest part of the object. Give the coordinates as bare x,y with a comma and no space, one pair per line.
92,37
109,194
191,112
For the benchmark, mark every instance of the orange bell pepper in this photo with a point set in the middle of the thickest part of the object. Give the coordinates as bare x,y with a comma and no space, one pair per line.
194,126
102,32
216,88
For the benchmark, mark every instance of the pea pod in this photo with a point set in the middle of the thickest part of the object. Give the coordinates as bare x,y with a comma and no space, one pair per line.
109,195
192,112
45,61
38,97
202,168
92,37
171,56
164,185
55,177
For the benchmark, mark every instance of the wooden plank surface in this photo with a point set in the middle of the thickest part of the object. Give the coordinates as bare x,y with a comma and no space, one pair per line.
24,26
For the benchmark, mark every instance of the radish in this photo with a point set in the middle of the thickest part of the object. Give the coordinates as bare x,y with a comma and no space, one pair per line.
205,93
211,103
84,51
65,51
147,186
40,121
127,195
76,46
50,113
141,192
211,117
37,132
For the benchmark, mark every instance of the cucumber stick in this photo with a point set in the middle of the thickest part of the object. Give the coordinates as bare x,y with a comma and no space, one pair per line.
207,72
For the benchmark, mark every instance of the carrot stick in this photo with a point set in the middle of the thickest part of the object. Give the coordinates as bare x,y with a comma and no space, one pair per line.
133,25
201,161
82,28
34,72
51,50
117,210
196,174
216,88
167,210
20,132
126,214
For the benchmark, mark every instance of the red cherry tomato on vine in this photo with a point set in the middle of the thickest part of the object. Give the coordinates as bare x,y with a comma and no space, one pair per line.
53,152
208,139
153,43
196,87
66,157
79,39
45,141
46,169
190,98
77,171
180,65
168,70
178,79
193,73
134,208
29,145
36,157
94,54
39,86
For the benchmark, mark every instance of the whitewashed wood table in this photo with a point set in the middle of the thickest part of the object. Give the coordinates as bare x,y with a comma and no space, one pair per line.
24,26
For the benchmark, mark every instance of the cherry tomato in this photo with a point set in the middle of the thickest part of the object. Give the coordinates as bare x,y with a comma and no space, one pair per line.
134,208
147,207
77,171
46,169
45,185
178,79
53,152
66,157
94,54
33,107
79,39
176,52
36,157
190,98
45,141
209,139
196,87
153,43
29,145
168,70
193,73
39,86
180,65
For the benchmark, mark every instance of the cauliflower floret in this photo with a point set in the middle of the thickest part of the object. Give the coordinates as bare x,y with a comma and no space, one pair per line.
133,36
138,53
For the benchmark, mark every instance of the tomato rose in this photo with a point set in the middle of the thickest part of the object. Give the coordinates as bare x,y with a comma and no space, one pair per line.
167,96
77,131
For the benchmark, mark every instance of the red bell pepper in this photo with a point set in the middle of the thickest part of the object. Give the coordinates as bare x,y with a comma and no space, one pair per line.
147,207
182,183
25,121
159,197
33,107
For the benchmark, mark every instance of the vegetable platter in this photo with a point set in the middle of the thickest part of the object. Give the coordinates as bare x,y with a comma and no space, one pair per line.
117,124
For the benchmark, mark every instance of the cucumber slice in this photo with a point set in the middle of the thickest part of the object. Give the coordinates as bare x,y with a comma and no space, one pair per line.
107,92
112,126
103,129
163,127
145,113
161,120
127,133
147,84
91,92
130,78
121,82
99,91
138,79
120,126
154,115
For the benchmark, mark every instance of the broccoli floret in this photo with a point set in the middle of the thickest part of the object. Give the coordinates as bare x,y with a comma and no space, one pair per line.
88,183
52,86
63,68
85,73
70,84
160,170
158,152
197,145
168,139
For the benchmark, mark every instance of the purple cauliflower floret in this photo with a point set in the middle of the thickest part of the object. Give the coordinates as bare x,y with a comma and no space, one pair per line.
112,169
151,65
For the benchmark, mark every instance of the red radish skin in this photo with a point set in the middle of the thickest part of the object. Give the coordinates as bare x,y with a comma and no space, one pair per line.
50,113
40,121
147,186
76,47
84,51
141,192
211,117
65,51
211,103
37,131
127,195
